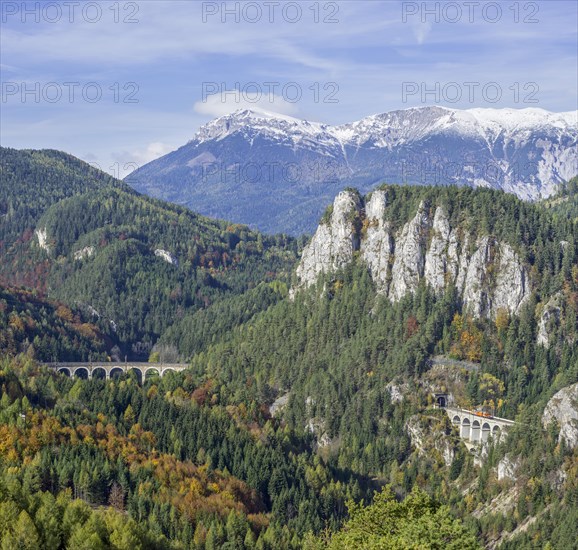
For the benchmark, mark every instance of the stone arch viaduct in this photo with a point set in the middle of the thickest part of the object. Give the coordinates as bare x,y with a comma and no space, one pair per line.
110,370
476,428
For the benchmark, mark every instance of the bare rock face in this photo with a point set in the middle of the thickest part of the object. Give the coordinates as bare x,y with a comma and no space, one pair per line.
316,426
397,391
42,236
511,281
166,256
279,404
549,318
441,260
377,246
410,250
86,252
463,263
563,409
429,439
474,295
507,468
488,274
493,278
334,242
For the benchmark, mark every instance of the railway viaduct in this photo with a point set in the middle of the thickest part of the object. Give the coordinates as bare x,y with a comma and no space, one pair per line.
110,370
476,428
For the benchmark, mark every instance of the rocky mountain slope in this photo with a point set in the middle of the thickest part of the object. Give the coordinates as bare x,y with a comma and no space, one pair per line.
294,167
487,271
414,291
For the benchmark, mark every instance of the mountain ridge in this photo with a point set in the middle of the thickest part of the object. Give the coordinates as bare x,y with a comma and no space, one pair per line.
295,167
485,118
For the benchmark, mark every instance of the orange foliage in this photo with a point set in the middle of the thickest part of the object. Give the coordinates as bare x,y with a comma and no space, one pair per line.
191,489
200,394
467,339
411,327
16,323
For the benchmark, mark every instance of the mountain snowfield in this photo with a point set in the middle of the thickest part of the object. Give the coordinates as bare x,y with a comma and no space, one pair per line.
395,128
293,168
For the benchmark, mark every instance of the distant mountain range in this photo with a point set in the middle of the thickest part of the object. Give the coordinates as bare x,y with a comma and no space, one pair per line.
278,173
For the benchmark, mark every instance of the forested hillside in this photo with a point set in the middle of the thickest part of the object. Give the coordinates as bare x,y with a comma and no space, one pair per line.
144,264
354,367
47,331
311,382
130,262
32,181
170,455
565,203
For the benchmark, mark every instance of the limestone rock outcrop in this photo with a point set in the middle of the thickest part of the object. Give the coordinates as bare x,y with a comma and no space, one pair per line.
377,246
494,278
42,236
429,438
507,468
488,273
334,242
166,256
563,409
409,264
549,318
86,252
441,261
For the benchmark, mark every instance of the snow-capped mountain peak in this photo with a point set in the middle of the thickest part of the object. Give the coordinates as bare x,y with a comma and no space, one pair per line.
294,167
392,128
256,120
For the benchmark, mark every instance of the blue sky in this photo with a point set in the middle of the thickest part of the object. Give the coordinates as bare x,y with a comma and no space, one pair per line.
164,68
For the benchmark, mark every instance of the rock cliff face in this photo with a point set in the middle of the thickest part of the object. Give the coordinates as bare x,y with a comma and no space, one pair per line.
334,242
86,252
377,247
441,259
429,438
507,468
489,274
549,318
166,256
409,264
42,236
563,408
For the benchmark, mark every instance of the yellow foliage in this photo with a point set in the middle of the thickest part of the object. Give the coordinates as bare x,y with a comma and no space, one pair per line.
65,313
502,319
16,323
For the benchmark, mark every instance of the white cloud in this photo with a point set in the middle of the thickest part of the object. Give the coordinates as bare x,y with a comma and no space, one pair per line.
227,101
169,30
422,31
152,152
171,52
128,161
